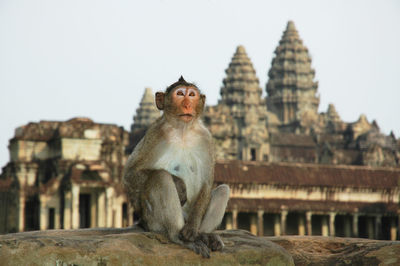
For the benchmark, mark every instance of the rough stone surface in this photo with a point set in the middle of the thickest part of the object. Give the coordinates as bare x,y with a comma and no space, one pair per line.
318,250
131,247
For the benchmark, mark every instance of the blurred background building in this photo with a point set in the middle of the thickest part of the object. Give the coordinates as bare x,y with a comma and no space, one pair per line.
291,169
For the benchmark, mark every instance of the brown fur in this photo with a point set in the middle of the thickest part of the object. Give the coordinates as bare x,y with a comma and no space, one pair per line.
161,196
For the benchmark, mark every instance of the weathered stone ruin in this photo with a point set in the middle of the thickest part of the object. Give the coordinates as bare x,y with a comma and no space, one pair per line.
64,175
286,125
146,114
292,170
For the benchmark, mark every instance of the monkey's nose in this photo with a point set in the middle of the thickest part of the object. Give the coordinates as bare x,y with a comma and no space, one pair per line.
186,104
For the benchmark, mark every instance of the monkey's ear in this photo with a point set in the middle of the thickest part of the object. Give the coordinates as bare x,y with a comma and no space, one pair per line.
160,100
203,98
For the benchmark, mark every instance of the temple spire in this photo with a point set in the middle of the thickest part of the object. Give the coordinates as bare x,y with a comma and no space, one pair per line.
146,113
291,87
241,90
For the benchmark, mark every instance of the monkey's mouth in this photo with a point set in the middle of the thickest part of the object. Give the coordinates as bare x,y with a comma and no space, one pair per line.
186,117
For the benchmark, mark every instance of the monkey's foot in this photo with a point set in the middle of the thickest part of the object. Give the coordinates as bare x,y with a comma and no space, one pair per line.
188,233
199,247
211,240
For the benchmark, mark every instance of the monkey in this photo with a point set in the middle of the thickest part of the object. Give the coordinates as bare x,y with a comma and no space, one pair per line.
169,175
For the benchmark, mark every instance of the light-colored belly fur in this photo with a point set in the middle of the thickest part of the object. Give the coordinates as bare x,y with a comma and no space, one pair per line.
186,163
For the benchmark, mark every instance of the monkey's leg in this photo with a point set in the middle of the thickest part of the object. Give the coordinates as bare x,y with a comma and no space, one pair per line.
162,211
216,209
213,217
161,208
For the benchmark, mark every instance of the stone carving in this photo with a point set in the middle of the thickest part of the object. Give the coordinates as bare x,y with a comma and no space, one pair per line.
291,87
239,121
147,112
290,129
56,165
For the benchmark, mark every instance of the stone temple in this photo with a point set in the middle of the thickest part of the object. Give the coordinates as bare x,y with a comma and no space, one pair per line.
292,170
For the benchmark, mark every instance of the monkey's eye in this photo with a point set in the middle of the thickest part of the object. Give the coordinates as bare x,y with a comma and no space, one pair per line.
192,93
180,92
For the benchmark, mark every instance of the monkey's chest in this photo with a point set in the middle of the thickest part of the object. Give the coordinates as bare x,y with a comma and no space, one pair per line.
187,164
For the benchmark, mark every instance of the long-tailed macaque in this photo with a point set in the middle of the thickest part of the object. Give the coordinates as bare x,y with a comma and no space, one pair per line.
169,175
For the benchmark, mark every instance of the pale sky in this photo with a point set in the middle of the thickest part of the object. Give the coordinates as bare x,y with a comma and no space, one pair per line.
63,59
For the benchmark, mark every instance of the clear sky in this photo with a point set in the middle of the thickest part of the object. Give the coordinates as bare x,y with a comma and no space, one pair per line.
62,59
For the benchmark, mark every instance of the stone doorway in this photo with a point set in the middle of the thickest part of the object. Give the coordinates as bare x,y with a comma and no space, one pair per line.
84,210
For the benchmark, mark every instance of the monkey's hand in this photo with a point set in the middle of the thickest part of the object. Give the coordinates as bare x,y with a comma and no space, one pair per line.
189,232
212,241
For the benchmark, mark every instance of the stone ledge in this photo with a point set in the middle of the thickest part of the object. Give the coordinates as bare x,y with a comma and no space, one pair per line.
131,246
319,250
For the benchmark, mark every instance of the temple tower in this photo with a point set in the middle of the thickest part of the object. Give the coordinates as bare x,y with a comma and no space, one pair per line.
241,90
147,112
291,89
243,112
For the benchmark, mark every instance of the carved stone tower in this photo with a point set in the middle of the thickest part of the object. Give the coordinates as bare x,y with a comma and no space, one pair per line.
241,90
243,110
147,112
292,91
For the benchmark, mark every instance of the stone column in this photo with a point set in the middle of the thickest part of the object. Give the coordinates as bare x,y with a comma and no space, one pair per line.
332,216
260,219
301,229
234,218
370,227
253,223
228,221
101,207
284,214
43,213
57,222
118,214
75,206
109,209
21,212
347,227
309,223
398,225
324,229
393,229
277,225
67,209
93,209
130,214
355,225
378,227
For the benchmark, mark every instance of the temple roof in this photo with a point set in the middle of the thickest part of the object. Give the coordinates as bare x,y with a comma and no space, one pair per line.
276,205
309,175
74,128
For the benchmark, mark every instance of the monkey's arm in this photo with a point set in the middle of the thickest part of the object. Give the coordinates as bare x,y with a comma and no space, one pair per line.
190,230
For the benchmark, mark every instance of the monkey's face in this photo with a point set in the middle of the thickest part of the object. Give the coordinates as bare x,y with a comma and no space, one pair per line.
186,101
